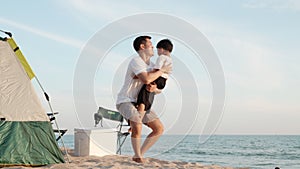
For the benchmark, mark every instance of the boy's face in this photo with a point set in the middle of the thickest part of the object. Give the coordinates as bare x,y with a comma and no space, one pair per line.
160,51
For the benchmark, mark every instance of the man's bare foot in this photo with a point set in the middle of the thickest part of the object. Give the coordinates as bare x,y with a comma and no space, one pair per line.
138,160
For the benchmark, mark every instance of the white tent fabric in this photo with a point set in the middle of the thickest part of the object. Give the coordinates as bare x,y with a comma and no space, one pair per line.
18,100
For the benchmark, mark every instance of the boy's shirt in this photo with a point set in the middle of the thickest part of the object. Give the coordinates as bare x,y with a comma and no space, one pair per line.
162,61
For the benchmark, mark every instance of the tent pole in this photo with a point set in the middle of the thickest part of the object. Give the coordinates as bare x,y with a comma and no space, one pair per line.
7,33
51,109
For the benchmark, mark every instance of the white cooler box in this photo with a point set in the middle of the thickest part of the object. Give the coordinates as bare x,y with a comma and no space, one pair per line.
99,142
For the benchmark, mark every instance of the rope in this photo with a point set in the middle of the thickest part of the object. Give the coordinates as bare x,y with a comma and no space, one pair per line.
56,124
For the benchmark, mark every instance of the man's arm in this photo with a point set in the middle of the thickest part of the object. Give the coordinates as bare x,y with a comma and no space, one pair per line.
148,77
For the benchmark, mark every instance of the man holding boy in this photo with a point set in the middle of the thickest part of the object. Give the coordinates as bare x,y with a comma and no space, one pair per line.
140,67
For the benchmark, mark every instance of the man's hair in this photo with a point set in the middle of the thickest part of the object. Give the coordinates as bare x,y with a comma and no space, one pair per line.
140,40
166,44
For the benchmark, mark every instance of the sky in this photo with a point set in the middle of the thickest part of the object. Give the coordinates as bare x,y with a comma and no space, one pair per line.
256,43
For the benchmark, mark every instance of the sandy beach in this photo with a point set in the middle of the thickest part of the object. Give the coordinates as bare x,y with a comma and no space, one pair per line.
119,162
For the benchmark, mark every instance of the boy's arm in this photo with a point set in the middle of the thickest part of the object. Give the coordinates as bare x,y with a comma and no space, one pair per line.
161,65
166,68
159,62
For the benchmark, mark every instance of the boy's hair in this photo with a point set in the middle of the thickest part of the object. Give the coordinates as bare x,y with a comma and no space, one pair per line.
140,40
166,44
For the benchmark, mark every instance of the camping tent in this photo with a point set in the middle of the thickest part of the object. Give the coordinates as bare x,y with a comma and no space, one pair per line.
26,134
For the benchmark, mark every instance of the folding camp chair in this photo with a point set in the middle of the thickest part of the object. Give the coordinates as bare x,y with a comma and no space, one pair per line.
114,116
60,132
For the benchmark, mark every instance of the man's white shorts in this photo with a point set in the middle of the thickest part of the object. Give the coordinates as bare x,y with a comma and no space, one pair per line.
129,112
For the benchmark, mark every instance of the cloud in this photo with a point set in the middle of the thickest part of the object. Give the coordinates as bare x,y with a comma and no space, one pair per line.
273,4
68,41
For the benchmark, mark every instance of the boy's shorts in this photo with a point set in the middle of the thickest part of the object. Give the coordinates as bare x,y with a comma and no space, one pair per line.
129,112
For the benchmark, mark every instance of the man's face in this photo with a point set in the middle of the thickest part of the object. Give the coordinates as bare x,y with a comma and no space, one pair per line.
149,48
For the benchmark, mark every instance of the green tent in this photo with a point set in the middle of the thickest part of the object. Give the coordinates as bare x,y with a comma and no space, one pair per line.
26,134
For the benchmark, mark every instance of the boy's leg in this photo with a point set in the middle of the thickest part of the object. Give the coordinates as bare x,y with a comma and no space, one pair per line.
141,108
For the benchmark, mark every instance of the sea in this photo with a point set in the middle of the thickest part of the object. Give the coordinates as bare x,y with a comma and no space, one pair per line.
240,151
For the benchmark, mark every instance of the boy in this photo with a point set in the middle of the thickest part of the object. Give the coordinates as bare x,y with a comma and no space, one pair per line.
145,96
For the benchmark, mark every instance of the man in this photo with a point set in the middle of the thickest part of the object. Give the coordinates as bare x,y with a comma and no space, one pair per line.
138,73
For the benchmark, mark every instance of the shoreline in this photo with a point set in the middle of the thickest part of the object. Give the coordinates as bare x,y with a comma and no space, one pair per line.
119,162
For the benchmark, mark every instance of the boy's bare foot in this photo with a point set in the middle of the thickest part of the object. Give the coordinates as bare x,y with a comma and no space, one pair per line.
138,160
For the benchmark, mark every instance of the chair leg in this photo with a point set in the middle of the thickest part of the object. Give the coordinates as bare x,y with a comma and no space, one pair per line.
62,132
119,143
